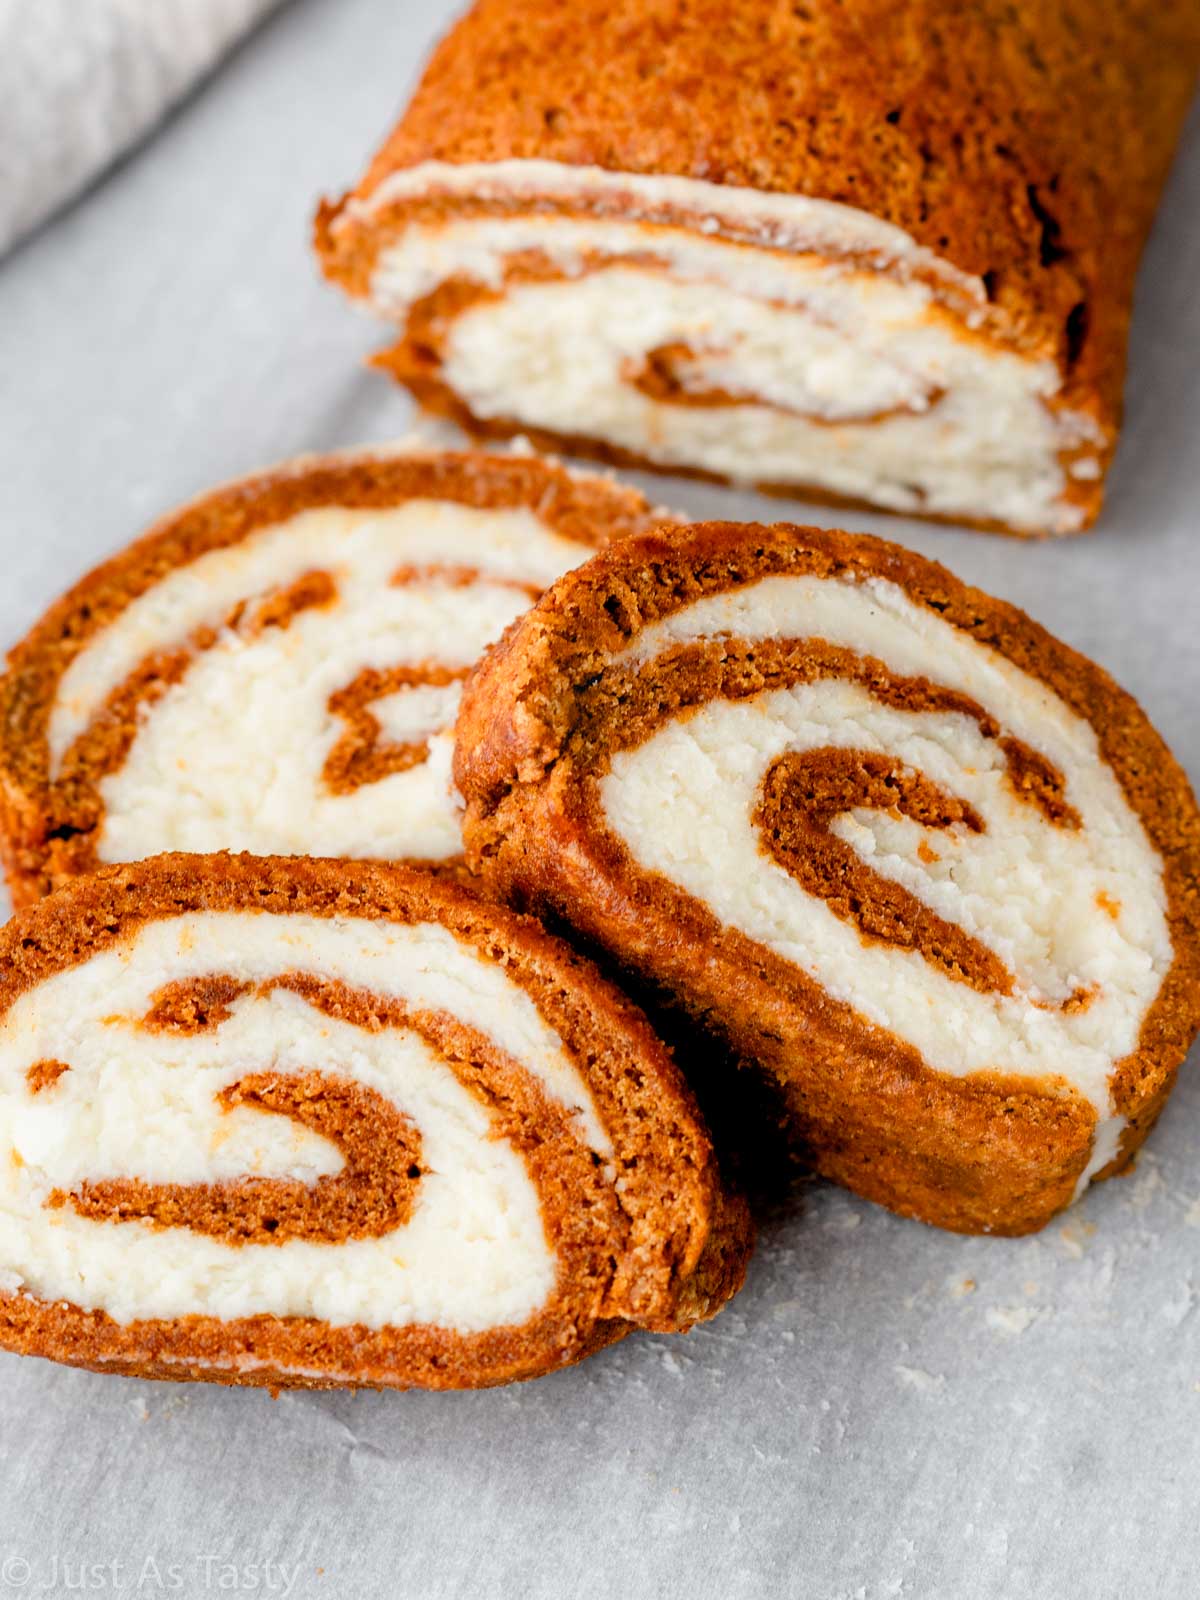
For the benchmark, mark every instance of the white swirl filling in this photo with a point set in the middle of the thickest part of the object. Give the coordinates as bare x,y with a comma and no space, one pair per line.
849,374
231,756
1066,909
472,1255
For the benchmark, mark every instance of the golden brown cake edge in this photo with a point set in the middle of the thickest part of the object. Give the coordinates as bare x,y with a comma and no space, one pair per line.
878,1136
45,832
673,1276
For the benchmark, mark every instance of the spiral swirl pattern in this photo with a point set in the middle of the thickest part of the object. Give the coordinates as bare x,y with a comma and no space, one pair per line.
886,820
378,1117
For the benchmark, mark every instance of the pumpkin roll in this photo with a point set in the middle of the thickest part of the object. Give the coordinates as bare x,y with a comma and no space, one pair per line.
883,255
925,865
277,666
323,1123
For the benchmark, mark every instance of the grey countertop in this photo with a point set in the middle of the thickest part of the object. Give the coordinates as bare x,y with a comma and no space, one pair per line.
886,1410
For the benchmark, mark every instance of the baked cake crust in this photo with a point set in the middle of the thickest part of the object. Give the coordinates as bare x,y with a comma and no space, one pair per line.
50,820
662,1248
1022,150
547,709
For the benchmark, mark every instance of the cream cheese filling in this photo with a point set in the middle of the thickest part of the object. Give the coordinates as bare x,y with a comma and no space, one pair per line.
785,221
231,756
1065,909
474,1252
845,378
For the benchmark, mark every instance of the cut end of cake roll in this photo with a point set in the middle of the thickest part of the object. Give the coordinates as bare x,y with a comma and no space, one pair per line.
929,867
277,666
320,1123
798,247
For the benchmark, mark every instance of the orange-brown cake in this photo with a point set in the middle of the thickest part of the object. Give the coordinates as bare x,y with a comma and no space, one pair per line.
927,866
277,666
880,251
327,1123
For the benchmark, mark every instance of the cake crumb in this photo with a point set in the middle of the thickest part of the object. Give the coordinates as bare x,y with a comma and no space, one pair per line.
1081,1230
1146,1185
1072,1245
920,1380
1011,1320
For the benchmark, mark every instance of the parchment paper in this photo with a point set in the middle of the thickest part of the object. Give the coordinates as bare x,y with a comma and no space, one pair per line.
886,1411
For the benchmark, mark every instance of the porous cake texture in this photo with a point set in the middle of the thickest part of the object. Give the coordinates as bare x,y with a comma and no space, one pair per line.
881,252
277,666
325,1123
927,866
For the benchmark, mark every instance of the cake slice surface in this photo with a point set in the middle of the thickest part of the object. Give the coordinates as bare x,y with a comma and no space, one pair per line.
930,868
880,253
329,1123
277,666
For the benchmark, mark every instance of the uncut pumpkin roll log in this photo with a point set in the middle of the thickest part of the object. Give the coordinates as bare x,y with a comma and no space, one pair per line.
276,666
326,1123
882,252
928,868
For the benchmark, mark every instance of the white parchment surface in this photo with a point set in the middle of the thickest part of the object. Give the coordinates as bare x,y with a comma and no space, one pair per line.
886,1411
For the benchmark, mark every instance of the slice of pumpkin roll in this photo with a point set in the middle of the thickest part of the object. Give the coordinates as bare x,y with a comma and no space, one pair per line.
277,666
926,865
322,1123
881,254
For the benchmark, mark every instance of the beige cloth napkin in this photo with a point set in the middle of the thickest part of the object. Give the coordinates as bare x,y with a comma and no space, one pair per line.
82,80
